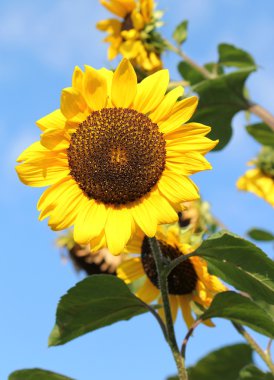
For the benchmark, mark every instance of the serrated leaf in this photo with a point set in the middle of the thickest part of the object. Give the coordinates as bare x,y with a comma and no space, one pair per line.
95,302
220,100
217,364
180,32
240,309
241,264
261,133
230,55
250,372
36,374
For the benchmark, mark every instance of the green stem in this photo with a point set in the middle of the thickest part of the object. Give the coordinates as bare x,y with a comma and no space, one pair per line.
263,114
254,345
177,50
163,286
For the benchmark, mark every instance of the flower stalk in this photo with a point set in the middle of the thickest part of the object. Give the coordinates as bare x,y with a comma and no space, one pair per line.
254,345
161,266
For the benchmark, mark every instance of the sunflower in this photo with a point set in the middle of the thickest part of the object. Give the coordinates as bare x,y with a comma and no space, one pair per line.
190,285
101,262
134,35
116,155
260,180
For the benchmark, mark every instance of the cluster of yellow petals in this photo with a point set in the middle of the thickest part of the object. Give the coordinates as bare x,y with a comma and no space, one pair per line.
127,41
45,163
258,183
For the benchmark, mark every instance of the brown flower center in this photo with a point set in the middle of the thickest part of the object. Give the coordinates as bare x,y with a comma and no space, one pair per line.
127,24
116,155
181,280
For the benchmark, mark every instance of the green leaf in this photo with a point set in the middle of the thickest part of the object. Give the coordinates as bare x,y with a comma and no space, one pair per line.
218,364
95,302
240,263
260,235
230,55
180,33
189,73
250,372
220,99
261,133
36,374
240,309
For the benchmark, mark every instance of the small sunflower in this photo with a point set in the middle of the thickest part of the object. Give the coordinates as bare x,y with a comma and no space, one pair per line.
260,180
190,285
116,155
134,35
101,262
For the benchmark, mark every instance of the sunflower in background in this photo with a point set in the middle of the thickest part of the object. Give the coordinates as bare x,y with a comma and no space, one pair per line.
190,285
260,180
134,36
116,156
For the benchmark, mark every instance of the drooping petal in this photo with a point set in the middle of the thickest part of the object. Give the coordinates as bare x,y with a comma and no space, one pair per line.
118,229
130,270
186,310
148,292
90,222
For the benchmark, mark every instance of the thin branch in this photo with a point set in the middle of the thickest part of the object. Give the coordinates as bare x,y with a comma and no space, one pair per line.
263,114
254,345
188,335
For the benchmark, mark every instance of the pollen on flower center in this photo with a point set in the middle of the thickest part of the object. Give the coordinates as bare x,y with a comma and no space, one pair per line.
116,155
181,280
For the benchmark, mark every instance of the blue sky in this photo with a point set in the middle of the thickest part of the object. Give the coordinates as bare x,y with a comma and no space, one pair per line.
40,43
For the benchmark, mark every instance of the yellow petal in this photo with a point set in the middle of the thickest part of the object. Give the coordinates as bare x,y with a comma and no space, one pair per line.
118,229
151,91
54,120
95,88
54,139
143,218
167,104
173,308
115,7
177,188
161,208
124,85
111,25
72,102
33,151
186,310
148,292
194,143
180,113
77,79
130,270
49,198
188,163
42,171
138,20
90,222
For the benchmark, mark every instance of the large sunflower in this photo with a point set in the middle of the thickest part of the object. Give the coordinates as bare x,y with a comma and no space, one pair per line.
116,155
260,180
134,35
189,283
